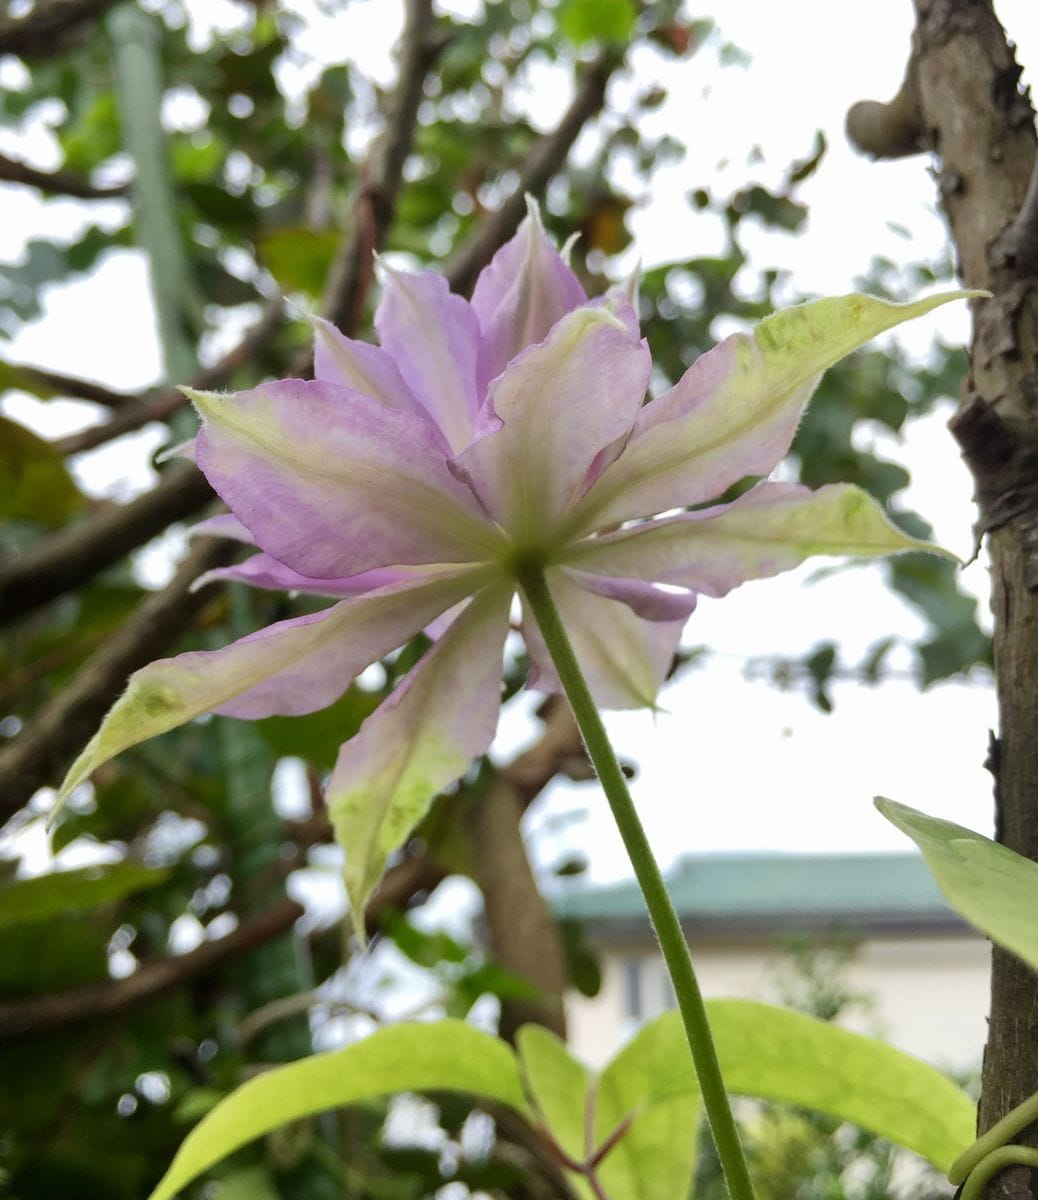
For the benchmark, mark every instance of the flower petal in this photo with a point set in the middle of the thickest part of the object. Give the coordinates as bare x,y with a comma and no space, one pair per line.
520,295
433,337
332,483
264,571
361,367
560,403
643,598
773,528
293,667
225,525
735,410
623,657
419,741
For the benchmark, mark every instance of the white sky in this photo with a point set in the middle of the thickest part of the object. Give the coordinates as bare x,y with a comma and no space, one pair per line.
732,764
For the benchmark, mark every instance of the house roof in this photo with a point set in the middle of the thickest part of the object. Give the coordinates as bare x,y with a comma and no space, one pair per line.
770,891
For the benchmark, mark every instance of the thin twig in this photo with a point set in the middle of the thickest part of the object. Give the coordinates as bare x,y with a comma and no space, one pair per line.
60,728
545,159
407,880
55,383
62,183
73,556
351,272
162,404
114,997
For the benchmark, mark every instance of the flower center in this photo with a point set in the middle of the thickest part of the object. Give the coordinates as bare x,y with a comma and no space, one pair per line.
526,561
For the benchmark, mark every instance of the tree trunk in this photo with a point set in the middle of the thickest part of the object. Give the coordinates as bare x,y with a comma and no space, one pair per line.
981,126
961,99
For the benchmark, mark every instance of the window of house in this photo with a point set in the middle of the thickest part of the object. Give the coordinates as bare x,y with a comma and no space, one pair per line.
633,1007
669,999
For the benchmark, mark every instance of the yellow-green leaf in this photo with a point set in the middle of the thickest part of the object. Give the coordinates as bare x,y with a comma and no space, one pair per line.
993,887
440,1055
34,482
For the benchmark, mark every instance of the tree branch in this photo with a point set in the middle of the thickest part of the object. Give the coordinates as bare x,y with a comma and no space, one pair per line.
77,553
523,936
558,751
63,183
351,272
52,738
981,125
45,29
69,385
74,556
161,405
114,997
545,159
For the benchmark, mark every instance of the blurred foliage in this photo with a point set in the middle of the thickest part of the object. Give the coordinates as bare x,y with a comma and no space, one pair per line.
266,154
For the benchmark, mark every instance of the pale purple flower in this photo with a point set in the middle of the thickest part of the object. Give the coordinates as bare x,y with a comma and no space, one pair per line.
409,480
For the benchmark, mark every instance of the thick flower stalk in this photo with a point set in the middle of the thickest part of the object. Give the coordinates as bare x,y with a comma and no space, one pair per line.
480,447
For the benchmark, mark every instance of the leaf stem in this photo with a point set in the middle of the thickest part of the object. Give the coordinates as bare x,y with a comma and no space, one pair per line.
657,901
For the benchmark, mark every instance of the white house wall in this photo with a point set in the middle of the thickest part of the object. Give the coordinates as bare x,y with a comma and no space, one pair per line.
930,994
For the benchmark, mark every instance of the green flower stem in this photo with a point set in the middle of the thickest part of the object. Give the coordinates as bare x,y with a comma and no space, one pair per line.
661,910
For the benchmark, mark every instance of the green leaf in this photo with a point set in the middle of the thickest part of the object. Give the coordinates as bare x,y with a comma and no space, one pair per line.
54,895
776,1054
34,482
299,259
440,1055
317,736
993,887
583,21
651,1078
558,1086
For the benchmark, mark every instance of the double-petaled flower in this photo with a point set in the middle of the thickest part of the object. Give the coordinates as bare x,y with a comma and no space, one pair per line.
416,481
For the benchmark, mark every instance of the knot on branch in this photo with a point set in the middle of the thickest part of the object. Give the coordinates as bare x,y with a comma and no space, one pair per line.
1005,468
891,130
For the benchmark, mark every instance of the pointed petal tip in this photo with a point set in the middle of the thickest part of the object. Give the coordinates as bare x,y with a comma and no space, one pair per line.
184,449
533,209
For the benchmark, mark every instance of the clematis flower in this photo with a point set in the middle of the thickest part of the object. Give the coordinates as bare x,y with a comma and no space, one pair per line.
414,481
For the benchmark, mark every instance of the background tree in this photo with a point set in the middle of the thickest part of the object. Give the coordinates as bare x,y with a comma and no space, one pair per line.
109,1035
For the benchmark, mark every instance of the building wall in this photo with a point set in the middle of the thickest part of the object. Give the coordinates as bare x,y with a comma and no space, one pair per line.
929,994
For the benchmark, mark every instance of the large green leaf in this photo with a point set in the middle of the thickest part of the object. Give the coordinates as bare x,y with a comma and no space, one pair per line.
62,892
441,1055
993,887
558,1086
776,1054
651,1081
773,1053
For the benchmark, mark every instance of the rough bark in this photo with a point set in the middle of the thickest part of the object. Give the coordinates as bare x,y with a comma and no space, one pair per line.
980,124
